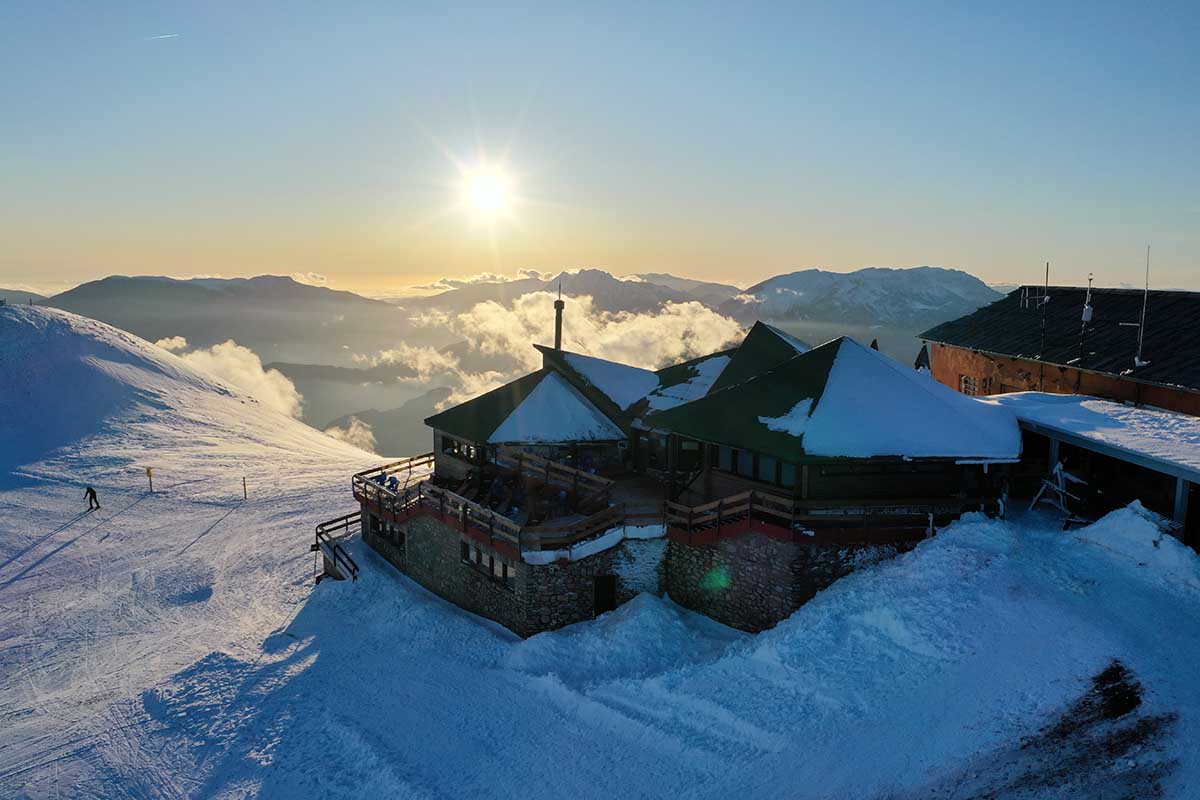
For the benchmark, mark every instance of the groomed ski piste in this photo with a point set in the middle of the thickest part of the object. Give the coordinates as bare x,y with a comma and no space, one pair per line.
173,644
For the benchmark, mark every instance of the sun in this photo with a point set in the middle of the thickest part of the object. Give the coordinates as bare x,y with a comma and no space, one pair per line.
487,192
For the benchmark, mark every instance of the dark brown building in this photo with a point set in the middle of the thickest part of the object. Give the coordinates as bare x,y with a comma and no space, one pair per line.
1038,339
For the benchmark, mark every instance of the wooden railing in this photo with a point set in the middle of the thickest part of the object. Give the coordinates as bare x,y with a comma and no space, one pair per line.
795,514
553,472
403,468
553,537
456,510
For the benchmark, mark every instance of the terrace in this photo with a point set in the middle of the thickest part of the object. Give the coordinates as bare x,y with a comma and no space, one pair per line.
517,502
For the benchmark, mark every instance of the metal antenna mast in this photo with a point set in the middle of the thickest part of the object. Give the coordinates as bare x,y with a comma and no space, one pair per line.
1137,361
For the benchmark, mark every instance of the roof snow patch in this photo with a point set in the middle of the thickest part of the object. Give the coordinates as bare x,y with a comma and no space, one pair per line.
623,384
555,411
794,422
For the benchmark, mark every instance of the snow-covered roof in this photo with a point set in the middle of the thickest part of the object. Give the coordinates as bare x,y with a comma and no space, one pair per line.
704,373
846,400
555,411
623,384
1168,440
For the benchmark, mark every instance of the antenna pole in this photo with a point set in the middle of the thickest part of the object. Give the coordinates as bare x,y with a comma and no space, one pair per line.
1137,362
1042,346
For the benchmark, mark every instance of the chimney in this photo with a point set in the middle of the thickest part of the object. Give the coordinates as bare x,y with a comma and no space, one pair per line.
558,309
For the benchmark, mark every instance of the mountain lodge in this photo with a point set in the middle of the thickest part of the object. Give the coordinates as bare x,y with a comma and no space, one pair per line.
739,483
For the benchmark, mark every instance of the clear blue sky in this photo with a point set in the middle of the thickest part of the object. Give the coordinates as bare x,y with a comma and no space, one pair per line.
721,142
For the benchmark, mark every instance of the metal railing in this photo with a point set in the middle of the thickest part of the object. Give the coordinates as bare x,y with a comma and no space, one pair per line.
330,545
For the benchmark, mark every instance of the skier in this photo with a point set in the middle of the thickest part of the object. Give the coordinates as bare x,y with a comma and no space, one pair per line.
90,494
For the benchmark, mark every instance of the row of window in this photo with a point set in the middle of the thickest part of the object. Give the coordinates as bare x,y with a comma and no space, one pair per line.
464,450
973,386
475,557
756,467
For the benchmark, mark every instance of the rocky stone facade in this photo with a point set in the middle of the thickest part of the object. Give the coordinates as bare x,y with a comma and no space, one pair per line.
753,582
750,582
525,598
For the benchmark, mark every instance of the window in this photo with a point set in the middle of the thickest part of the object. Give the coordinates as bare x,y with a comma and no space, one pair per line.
968,385
985,386
745,463
766,469
787,475
725,459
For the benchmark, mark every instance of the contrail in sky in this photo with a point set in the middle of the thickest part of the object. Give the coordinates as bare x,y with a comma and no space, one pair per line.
163,36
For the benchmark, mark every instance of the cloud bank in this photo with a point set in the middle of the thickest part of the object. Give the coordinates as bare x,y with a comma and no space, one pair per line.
499,338
172,343
356,433
240,367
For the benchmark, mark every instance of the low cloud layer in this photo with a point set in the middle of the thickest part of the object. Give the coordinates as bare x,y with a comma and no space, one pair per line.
356,433
677,332
240,367
500,336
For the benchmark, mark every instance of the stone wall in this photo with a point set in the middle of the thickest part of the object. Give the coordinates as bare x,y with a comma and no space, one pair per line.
753,582
540,597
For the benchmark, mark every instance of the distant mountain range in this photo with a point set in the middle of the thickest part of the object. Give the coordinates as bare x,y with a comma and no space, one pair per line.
311,334
19,296
277,317
900,298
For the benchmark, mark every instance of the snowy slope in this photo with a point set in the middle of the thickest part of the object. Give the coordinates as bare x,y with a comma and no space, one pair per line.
172,645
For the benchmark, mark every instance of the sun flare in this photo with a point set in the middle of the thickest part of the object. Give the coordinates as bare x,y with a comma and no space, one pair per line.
487,192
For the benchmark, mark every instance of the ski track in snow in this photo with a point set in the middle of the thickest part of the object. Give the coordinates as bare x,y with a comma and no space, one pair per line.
173,645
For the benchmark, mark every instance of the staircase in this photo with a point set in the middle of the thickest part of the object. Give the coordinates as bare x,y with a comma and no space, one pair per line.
338,563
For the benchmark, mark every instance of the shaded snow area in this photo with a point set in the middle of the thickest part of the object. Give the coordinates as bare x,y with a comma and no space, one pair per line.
1164,435
555,411
707,372
645,637
173,645
623,384
875,406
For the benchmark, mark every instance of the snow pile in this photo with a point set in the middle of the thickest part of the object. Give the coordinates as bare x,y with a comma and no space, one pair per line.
1140,536
623,384
555,411
707,372
646,636
874,406
1164,435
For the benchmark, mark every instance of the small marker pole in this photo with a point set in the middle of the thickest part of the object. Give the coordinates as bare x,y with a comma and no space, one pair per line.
244,487
150,476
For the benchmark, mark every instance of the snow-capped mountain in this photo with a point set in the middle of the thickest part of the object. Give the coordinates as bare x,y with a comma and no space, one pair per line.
904,298
707,292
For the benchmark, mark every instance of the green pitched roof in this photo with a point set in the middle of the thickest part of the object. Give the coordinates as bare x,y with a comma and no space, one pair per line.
763,348
730,415
844,400
475,419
